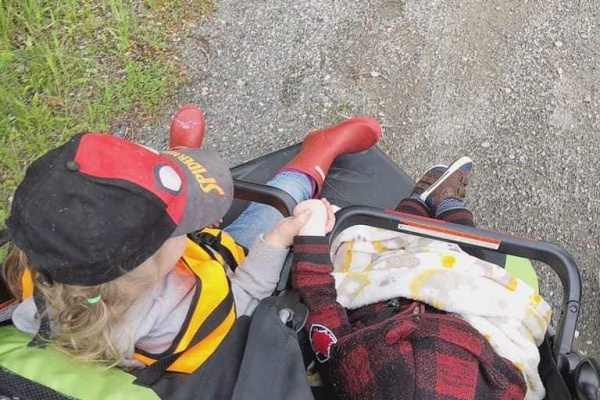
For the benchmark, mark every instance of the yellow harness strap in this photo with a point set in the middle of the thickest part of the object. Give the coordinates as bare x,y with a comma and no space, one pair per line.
221,245
26,285
214,310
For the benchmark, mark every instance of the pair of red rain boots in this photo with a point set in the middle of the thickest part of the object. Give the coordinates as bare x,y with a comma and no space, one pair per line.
319,150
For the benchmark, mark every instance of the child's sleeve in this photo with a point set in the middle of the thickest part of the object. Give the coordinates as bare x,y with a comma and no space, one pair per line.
313,281
257,276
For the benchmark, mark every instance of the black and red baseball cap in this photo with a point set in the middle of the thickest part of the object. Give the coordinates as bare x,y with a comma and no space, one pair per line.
98,206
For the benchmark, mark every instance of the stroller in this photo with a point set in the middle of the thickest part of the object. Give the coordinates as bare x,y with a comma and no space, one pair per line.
261,358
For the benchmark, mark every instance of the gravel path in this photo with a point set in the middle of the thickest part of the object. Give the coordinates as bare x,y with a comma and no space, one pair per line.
513,84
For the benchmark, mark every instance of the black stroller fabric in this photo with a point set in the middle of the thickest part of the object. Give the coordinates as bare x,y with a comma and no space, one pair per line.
260,359
272,366
352,180
15,387
216,379
556,389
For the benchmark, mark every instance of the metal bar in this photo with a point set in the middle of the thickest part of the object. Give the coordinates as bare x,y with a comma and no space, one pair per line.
259,193
275,197
558,259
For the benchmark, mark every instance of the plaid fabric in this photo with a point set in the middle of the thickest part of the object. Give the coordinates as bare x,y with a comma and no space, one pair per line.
414,354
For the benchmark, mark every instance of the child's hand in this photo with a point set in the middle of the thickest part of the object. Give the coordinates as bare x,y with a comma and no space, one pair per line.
282,235
311,218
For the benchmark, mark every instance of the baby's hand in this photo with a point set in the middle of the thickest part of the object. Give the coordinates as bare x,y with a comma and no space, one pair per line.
322,217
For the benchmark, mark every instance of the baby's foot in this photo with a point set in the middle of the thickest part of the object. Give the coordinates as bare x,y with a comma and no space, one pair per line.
442,183
429,178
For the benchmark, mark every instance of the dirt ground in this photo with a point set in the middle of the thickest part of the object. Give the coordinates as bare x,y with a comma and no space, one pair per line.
512,84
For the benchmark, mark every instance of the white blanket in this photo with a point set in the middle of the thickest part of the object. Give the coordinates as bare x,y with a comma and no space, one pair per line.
373,265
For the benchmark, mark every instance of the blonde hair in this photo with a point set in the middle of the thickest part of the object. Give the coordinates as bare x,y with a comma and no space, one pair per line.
83,330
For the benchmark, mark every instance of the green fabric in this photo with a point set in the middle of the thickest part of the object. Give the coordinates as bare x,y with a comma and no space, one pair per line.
70,377
522,268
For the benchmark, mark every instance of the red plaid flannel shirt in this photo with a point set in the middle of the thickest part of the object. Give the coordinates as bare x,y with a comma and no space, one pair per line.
414,354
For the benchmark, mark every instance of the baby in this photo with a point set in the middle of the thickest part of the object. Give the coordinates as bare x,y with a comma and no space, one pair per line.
390,350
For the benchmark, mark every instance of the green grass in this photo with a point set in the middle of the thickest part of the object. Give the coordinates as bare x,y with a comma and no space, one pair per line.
68,66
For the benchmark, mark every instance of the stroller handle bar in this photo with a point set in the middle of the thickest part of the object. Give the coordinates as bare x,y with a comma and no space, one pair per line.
558,259
259,193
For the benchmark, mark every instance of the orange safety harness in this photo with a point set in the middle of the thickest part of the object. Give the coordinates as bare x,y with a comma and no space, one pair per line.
212,313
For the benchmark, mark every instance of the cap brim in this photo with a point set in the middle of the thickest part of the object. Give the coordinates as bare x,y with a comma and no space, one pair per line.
209,188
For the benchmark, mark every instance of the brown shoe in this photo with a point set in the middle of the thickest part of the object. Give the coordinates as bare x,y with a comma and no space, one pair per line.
433,174
450,184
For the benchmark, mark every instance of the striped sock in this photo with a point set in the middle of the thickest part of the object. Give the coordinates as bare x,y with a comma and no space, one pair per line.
449,204
413,206
416,197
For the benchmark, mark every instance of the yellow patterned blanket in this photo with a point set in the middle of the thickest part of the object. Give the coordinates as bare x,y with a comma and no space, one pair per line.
373,265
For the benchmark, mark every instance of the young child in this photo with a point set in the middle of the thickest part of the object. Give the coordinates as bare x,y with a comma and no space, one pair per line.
400,348
101,258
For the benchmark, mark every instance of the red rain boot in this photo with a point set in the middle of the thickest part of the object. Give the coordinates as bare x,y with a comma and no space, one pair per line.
187,128
321,147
